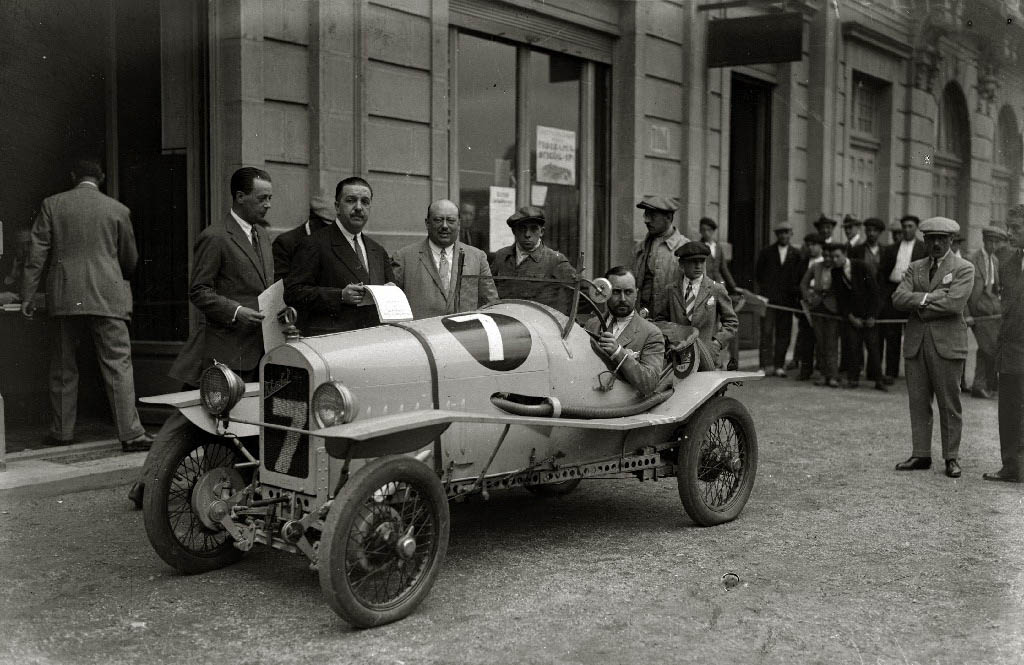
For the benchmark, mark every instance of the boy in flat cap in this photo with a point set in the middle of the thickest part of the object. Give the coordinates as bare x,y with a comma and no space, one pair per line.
984,301
697,300
528,256
654,261
935,291
778,278
321,215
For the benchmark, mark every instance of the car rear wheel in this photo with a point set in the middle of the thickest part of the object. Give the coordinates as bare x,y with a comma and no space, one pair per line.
717,462
188,471
384,539
555,489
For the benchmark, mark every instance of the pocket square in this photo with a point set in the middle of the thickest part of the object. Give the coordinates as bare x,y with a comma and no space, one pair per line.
711,301
948,278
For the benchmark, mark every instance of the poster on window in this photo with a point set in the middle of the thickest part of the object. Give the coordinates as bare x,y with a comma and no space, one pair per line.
556,155
502,205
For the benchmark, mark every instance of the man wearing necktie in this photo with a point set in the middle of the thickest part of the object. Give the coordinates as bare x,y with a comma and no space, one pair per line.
984,302
699,301
327,279
934,291
428,270
1010,352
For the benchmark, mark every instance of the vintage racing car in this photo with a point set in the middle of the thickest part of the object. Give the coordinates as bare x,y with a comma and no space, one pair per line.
350,447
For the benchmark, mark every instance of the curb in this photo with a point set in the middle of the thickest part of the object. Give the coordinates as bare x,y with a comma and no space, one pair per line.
32,473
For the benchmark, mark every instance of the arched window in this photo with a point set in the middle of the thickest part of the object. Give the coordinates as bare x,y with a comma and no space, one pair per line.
952,156
1006,164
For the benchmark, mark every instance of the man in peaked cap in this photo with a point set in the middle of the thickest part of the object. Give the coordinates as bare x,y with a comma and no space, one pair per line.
984,302
529,257
935,291
778,278
321,215
825,226
699,301
853,229
654,261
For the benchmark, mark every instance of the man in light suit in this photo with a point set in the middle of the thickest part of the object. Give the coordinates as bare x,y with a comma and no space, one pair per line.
321,215
326,282
635,347
935,291
90,244
428,271
984,302
232,264
698,301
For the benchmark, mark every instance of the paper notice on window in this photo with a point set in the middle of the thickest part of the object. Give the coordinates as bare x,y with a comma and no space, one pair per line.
556,155
538,195
502,205
271,302
391,303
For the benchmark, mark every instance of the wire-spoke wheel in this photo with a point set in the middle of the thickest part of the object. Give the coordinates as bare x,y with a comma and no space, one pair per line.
717,462
188,469
384,539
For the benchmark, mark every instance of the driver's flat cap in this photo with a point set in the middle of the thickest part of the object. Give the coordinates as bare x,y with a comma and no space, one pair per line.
939,225
662,203
693,250
994,232
526,215
323,207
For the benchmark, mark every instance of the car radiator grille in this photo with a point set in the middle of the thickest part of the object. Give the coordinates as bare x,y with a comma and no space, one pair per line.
286,403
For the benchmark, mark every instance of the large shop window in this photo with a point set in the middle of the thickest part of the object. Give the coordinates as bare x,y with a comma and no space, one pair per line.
866,136
1006,164
531,129
952,156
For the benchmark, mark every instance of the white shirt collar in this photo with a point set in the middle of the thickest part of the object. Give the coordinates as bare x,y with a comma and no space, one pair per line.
246,226
521,255
436,250
618,325
696,283
90,183
348,236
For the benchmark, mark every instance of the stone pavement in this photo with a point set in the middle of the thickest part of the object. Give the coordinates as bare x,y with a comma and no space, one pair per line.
67,469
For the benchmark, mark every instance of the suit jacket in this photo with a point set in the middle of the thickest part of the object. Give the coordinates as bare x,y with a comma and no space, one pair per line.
943,315
780,283
417,275
286,244
1010,355
87,238
663,263
717,267
226,273
872,260
543,262
323,266
642,368
859,294
820,295
712,313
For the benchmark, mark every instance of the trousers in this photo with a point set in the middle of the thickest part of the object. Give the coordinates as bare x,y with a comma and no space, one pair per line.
826,345
929,376
776,329
114,352
890,339
855,341
805,343
1011,423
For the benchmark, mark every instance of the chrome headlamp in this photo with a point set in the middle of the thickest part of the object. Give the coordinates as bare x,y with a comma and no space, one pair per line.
220,389
334,404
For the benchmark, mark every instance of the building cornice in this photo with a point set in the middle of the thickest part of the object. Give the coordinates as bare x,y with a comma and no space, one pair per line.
854,30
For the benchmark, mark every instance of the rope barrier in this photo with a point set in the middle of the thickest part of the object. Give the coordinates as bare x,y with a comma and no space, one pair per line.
821,315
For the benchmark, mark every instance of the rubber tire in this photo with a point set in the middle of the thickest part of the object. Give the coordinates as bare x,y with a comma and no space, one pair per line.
555,489
338,523
689,461
154,506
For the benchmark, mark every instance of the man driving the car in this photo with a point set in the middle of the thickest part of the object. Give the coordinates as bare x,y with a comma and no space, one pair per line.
634,346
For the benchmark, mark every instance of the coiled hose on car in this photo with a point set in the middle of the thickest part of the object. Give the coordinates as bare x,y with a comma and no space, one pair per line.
551,407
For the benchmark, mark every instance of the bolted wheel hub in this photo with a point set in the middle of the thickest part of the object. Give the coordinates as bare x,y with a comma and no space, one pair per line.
206,495
406,547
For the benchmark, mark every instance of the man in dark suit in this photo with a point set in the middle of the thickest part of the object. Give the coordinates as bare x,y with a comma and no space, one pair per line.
778,278
857,298
634,346
934,291
231,265
89,240
718,270
896,258
698,301
870,251
326,283
1010,353
428,270
984,303
321,215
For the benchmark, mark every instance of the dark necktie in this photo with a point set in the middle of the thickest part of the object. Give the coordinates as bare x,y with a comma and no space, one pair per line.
359,253
256,246
931,271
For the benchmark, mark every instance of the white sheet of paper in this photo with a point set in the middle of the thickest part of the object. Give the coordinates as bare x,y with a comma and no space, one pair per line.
538,195
392,305
271,302
502,205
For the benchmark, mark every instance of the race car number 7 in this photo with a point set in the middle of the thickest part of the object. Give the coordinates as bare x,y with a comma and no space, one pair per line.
495,348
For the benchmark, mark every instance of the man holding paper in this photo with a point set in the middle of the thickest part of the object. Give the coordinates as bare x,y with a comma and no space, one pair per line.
330,271
428,271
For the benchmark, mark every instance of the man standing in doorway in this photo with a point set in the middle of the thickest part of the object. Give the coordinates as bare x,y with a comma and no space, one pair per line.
984,303
329,273
935,291
89,241
778,278
529,257
896,258
654,259
1010,358
321,215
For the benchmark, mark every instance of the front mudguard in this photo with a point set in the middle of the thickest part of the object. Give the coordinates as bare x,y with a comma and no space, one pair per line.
188,405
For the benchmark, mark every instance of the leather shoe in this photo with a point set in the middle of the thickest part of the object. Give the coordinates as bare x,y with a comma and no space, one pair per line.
981,393
135,495
779,372
140,443
50,441
915,464
880,385
832,383
952,468
1001,476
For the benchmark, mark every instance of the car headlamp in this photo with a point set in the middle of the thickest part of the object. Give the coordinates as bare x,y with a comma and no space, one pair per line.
334,404
220,389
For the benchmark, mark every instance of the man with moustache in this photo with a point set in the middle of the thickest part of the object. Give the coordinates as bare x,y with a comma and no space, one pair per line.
428,270
529,257
654,260
329,273
935,291
635,347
